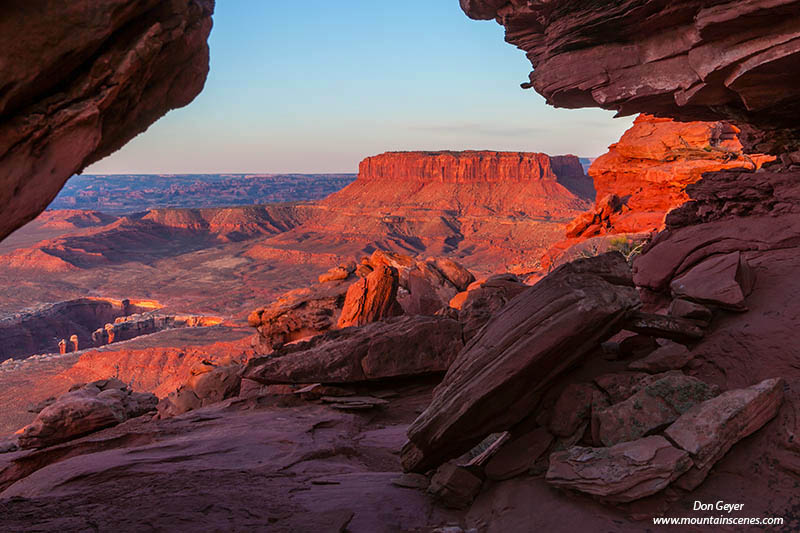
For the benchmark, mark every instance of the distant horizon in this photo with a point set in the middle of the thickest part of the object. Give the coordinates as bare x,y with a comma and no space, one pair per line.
318,97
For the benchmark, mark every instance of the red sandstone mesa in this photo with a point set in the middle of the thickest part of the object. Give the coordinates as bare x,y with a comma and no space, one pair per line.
481,208
541,183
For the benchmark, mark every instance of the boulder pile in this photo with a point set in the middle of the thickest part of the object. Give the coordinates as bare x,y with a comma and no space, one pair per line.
381,286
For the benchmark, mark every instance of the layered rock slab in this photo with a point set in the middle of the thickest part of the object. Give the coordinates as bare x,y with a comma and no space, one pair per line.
655,405
700,60
85,409
498,377
711,428
398,347
723,280
622,473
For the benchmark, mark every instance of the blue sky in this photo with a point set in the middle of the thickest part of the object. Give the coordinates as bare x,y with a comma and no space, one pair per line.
316,86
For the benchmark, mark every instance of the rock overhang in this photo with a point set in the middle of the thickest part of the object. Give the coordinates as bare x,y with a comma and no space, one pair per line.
696,60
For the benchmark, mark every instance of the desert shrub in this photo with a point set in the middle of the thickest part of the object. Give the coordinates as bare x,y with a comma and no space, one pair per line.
629,248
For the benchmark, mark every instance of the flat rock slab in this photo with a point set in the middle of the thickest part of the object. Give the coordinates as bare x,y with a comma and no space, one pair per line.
353,403
403,346
710,429
498,377
621,473
722,280
665,327
671,356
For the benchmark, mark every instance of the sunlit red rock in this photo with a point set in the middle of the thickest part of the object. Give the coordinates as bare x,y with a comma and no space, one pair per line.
645,175
371,298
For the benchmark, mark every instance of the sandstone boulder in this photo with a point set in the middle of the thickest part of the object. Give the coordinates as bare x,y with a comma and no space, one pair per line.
454,272
338,273
299,314
498,377
371,298
708,430
208,384
91,407
425,296
398,347
518,455
454,485
431,284
654,406
484,300
622,473
670,356
723,281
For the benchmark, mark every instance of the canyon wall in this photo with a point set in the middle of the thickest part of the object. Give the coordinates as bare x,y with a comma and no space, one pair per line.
80,79
690,60
40,331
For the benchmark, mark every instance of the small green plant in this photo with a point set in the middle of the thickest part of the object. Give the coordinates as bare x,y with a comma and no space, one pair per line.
629,248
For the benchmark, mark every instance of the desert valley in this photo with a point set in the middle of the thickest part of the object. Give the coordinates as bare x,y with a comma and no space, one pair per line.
451,341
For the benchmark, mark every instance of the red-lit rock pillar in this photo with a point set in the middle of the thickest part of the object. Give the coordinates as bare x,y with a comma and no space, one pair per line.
110,332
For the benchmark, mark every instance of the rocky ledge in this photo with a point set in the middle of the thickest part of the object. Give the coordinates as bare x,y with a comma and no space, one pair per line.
694,60
80,80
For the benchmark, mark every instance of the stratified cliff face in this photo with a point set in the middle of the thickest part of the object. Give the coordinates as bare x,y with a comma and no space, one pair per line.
80,79
690,60
468,166
470,182
493,211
